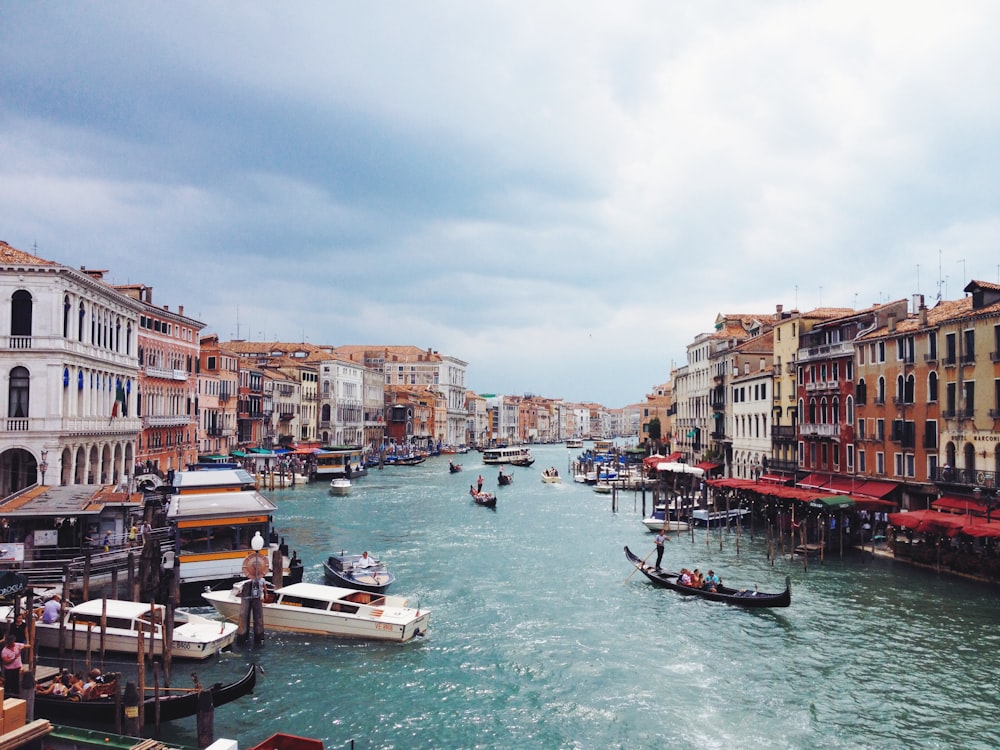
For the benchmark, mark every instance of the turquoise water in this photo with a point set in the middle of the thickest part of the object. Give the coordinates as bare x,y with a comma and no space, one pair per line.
538,640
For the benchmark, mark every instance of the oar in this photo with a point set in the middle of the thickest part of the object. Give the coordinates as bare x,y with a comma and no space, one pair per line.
637,566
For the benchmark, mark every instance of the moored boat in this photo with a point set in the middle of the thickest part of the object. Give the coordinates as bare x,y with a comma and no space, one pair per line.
194,636
737,597
350,572
516,456
329,610
105,710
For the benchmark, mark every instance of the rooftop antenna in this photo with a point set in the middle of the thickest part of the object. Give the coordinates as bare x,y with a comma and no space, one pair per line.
237,322
940,282
962,261
821,295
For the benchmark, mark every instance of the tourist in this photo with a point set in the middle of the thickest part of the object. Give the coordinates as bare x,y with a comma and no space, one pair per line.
52,610
107,540
661,537
712,582
365,561
10,658
133,534
685,577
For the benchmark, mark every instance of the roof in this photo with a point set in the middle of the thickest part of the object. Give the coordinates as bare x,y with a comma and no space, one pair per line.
116,608
218,505
69,500
12,256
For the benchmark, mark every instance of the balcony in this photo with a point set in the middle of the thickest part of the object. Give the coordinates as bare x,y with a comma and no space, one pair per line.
968,359
819,430
17,425
783,432
19,342
932,357
967,477
824,351
166,420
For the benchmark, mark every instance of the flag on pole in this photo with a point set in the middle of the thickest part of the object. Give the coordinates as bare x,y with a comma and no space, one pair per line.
119,405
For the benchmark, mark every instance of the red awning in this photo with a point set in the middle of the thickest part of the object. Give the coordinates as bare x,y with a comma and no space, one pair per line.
873,503
979,528
959,505
872,488
707,466
775,478
675,456
845,485
650,462
930,521
813,481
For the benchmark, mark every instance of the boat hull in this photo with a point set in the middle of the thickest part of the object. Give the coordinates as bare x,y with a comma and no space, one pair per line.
376,580
736,597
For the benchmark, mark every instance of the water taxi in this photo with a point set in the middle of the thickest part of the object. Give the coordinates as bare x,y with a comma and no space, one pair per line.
315,609
516,455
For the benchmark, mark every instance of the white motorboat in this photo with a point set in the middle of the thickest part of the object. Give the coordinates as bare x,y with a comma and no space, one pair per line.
329,610
551,476
657,522
194,636
340,486
705,517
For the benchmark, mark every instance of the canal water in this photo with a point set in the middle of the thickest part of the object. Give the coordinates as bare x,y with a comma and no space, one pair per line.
540,639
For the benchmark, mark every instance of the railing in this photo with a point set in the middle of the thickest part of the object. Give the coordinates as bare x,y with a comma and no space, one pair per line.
17,425
19,342
784,432
167,420
819,430
969,477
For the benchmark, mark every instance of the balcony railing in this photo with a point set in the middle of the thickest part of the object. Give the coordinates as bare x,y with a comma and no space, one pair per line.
819,430
17,425
167,420
784,432
19,342
968,477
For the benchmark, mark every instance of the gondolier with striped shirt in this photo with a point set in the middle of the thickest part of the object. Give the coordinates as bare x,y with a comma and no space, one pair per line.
661,538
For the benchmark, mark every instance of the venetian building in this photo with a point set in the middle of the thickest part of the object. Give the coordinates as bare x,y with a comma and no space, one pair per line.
71,370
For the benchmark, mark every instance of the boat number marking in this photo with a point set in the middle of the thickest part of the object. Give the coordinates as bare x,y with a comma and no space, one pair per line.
383,626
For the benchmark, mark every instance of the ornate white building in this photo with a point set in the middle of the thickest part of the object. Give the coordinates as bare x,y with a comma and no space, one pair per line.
70,369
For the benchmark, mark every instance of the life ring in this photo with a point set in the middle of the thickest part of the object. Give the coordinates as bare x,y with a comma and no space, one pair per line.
981,477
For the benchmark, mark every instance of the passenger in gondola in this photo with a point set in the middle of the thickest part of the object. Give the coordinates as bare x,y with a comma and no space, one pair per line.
712,582
685,577
697,579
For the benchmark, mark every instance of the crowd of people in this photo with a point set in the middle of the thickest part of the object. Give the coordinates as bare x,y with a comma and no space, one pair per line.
695,579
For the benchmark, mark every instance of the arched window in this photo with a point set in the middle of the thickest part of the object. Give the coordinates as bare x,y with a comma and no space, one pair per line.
67,308
326,413
128,337
80,324
900,390
20,386
20,313
850,411
880,397
908,390
862,392
932,386
812,411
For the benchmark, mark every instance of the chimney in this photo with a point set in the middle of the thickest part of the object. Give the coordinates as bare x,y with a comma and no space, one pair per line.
922,312
777,311
180,309
149,295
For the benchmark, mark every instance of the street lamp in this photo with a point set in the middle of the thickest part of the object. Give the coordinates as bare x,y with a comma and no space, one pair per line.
44,465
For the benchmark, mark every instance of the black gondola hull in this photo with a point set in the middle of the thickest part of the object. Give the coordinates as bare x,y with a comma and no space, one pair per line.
749,599
101,712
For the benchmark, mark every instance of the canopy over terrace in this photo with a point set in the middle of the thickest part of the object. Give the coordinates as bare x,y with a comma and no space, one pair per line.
821,496
948,524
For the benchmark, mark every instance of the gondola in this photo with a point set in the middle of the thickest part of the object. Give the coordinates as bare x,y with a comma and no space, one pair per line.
340,570
504,479
454,468
737,597
172,705
487,499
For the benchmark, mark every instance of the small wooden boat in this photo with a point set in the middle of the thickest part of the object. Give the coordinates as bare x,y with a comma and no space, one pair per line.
313,608
504,479
454,468
100,710
737,597
340,486
344,570
483,498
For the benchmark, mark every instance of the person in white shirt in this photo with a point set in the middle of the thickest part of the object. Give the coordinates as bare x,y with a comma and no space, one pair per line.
365,561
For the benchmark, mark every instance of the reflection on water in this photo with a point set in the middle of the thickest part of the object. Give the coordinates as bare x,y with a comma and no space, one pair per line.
538,641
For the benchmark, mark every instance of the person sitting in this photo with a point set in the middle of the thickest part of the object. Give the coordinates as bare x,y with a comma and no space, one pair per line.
365,561
685,577
58,688
697,579
52,609
712,582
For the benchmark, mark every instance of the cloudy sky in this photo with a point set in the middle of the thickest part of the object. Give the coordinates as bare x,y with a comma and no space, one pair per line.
562,194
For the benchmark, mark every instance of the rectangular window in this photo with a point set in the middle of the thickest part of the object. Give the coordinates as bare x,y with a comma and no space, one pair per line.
849,451
897,459
862,465
880,463
932,345
911,465
861,429
880,430
930,434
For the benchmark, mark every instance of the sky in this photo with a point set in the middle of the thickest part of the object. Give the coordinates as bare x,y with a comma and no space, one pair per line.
561,194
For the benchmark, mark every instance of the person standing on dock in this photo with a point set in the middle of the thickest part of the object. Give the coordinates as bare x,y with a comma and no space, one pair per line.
10,657
255,567
661,538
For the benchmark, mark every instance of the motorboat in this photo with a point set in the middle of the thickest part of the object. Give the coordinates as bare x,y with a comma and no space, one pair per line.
194,636
340,486
705,517
347,571
317,609
551,476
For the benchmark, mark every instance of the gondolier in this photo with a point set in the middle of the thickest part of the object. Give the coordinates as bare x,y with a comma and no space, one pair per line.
661,538
255,567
